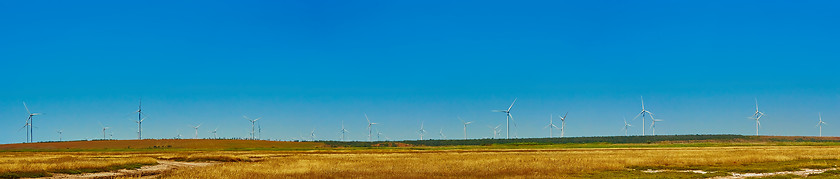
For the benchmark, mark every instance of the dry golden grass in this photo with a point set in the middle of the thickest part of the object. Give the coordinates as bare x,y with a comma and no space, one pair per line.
14,164
468,163
484,163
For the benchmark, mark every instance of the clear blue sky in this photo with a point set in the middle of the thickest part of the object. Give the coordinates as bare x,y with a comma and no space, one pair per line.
304,64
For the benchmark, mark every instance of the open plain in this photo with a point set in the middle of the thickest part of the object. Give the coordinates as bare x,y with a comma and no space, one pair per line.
736,157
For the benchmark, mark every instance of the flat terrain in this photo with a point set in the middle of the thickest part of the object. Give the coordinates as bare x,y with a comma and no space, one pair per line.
790,158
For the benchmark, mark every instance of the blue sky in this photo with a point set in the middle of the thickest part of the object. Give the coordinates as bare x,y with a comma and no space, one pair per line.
303,65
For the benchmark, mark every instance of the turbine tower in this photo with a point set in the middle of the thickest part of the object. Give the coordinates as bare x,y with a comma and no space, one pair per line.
421,131
563,125
465,126
140,120
551,125
252,124
626,125
30,136
196,130
508,117
343,130
756,116
644,111
369,126
820,124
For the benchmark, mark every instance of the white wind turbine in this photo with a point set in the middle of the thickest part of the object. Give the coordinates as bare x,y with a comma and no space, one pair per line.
496,130
343,130
551,125
378,134
252,124
653,125
196,130
59,134
820,124
25,125
104,135
465,126
644,111
441,134
179,134
369,126
563,125
626,125
421,131
756,116
140,120
214,133
312,134
509,117
30,136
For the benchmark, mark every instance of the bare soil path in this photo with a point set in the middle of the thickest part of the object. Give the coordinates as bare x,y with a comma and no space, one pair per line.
148,171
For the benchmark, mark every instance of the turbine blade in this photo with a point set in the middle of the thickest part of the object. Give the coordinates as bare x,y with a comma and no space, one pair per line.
27,108
511,104
637,116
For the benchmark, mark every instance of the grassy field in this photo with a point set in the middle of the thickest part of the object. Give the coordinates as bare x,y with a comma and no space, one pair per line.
266,159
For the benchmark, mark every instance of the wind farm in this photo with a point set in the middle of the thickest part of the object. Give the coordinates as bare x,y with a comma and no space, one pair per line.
287,89
255,145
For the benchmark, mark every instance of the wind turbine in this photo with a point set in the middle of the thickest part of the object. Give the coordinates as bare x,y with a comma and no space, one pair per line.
626,125
104,135
653,126
509,117
30,136
179,134
820,124
421,131
378,134
441,134
259,130
196,130
370,124
550,125
140,120
214,133
59,134
465,126
343,130
252,124
756,116
312,134
25,129
644,111
563,125
496,130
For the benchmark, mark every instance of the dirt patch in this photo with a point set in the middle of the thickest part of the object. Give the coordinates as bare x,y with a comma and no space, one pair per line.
803,173
145,171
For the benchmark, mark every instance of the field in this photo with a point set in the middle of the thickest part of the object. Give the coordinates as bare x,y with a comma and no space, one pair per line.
702,158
